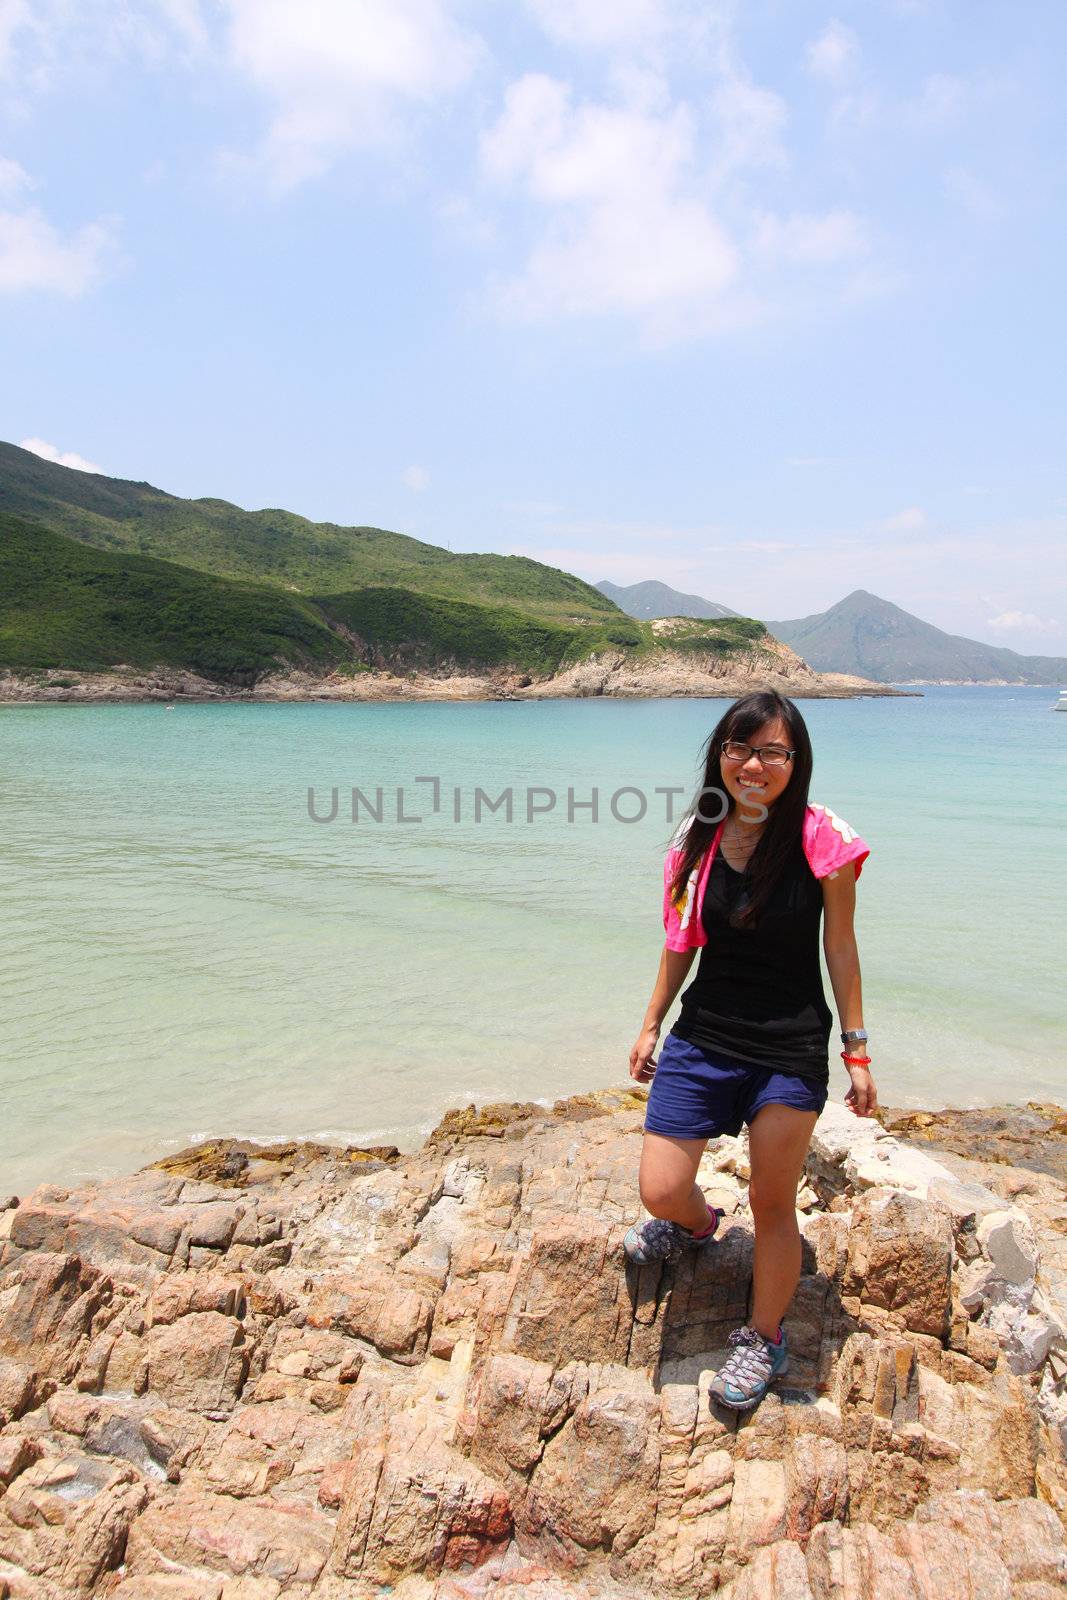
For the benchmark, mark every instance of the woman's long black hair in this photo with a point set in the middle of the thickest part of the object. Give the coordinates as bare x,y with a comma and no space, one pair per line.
785,824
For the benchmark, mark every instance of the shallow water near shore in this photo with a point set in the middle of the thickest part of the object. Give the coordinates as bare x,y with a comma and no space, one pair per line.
188,954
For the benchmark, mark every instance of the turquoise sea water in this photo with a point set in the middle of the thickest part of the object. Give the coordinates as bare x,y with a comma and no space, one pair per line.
187,954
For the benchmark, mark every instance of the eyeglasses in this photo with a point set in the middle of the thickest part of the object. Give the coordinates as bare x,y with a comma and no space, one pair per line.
771,755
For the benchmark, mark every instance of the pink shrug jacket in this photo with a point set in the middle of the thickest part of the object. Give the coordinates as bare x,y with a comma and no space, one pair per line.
829,843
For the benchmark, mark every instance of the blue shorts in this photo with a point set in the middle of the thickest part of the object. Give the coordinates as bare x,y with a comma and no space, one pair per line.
698,1093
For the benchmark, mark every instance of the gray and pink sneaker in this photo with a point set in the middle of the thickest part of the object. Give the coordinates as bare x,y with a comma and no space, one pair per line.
660,1240
751,1367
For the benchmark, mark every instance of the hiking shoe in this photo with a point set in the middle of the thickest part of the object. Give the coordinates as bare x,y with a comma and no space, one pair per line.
752,1365
660,1240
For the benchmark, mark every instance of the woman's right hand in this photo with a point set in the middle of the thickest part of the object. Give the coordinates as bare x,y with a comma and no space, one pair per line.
642,1066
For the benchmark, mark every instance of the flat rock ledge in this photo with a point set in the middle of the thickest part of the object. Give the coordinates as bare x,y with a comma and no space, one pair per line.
251,1372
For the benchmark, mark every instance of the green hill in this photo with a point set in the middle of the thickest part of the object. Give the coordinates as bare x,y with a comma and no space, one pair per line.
66,604
276,547
873,638
98,571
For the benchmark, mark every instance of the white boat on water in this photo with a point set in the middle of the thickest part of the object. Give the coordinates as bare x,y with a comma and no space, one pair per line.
1061,703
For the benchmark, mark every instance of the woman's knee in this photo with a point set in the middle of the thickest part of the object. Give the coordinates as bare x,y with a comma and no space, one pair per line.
772,1195
772,1202
668,1172
661,1194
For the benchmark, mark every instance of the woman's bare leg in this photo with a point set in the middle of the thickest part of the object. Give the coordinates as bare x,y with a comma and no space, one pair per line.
668,1180
778,1139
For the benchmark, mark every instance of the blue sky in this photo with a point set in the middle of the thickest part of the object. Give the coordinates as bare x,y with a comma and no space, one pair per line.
762,299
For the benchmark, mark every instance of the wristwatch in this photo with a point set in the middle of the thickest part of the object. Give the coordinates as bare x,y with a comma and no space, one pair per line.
854,1036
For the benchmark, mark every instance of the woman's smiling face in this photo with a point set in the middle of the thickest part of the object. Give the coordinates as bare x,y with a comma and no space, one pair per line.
750,780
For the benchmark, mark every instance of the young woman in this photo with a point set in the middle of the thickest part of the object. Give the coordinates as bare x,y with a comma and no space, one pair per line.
750,873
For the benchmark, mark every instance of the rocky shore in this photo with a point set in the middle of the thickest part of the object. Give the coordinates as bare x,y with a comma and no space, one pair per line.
249,1372
767,665
1033,1136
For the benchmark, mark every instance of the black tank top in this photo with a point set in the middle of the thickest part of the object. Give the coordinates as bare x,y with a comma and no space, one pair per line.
758,992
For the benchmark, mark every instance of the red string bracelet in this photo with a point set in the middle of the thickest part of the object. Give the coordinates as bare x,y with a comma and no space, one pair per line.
855,1061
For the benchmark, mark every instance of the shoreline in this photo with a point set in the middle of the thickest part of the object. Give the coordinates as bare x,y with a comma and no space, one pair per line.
1031,1134
996,1131
608,678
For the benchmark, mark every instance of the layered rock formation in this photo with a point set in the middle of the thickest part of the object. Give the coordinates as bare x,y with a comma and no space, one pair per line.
767,664
328,1374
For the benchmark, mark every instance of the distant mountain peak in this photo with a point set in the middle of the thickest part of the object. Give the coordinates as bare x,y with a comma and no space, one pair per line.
651,599
871,637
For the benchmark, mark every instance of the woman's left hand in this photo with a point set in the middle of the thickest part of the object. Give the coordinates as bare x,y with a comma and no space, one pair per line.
862,1098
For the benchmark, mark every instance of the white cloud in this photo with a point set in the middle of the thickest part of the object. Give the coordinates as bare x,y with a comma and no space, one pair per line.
338,72
751,121
43,41
34,255
417,479
567,154
150,29
639,204
13,177
62,458
627,231
834,54
14,17
836,236
630,202
912,520
601,24
1023,622
640,30
186,18
856,110
941,102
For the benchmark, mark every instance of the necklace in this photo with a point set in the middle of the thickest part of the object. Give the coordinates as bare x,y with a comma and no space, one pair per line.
744,849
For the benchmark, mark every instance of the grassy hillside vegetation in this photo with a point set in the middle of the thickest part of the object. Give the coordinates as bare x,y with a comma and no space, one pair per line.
277,547
425,631
63,604
97,571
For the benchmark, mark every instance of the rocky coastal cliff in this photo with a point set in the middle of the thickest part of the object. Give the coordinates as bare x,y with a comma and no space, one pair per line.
767,664
250,1372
